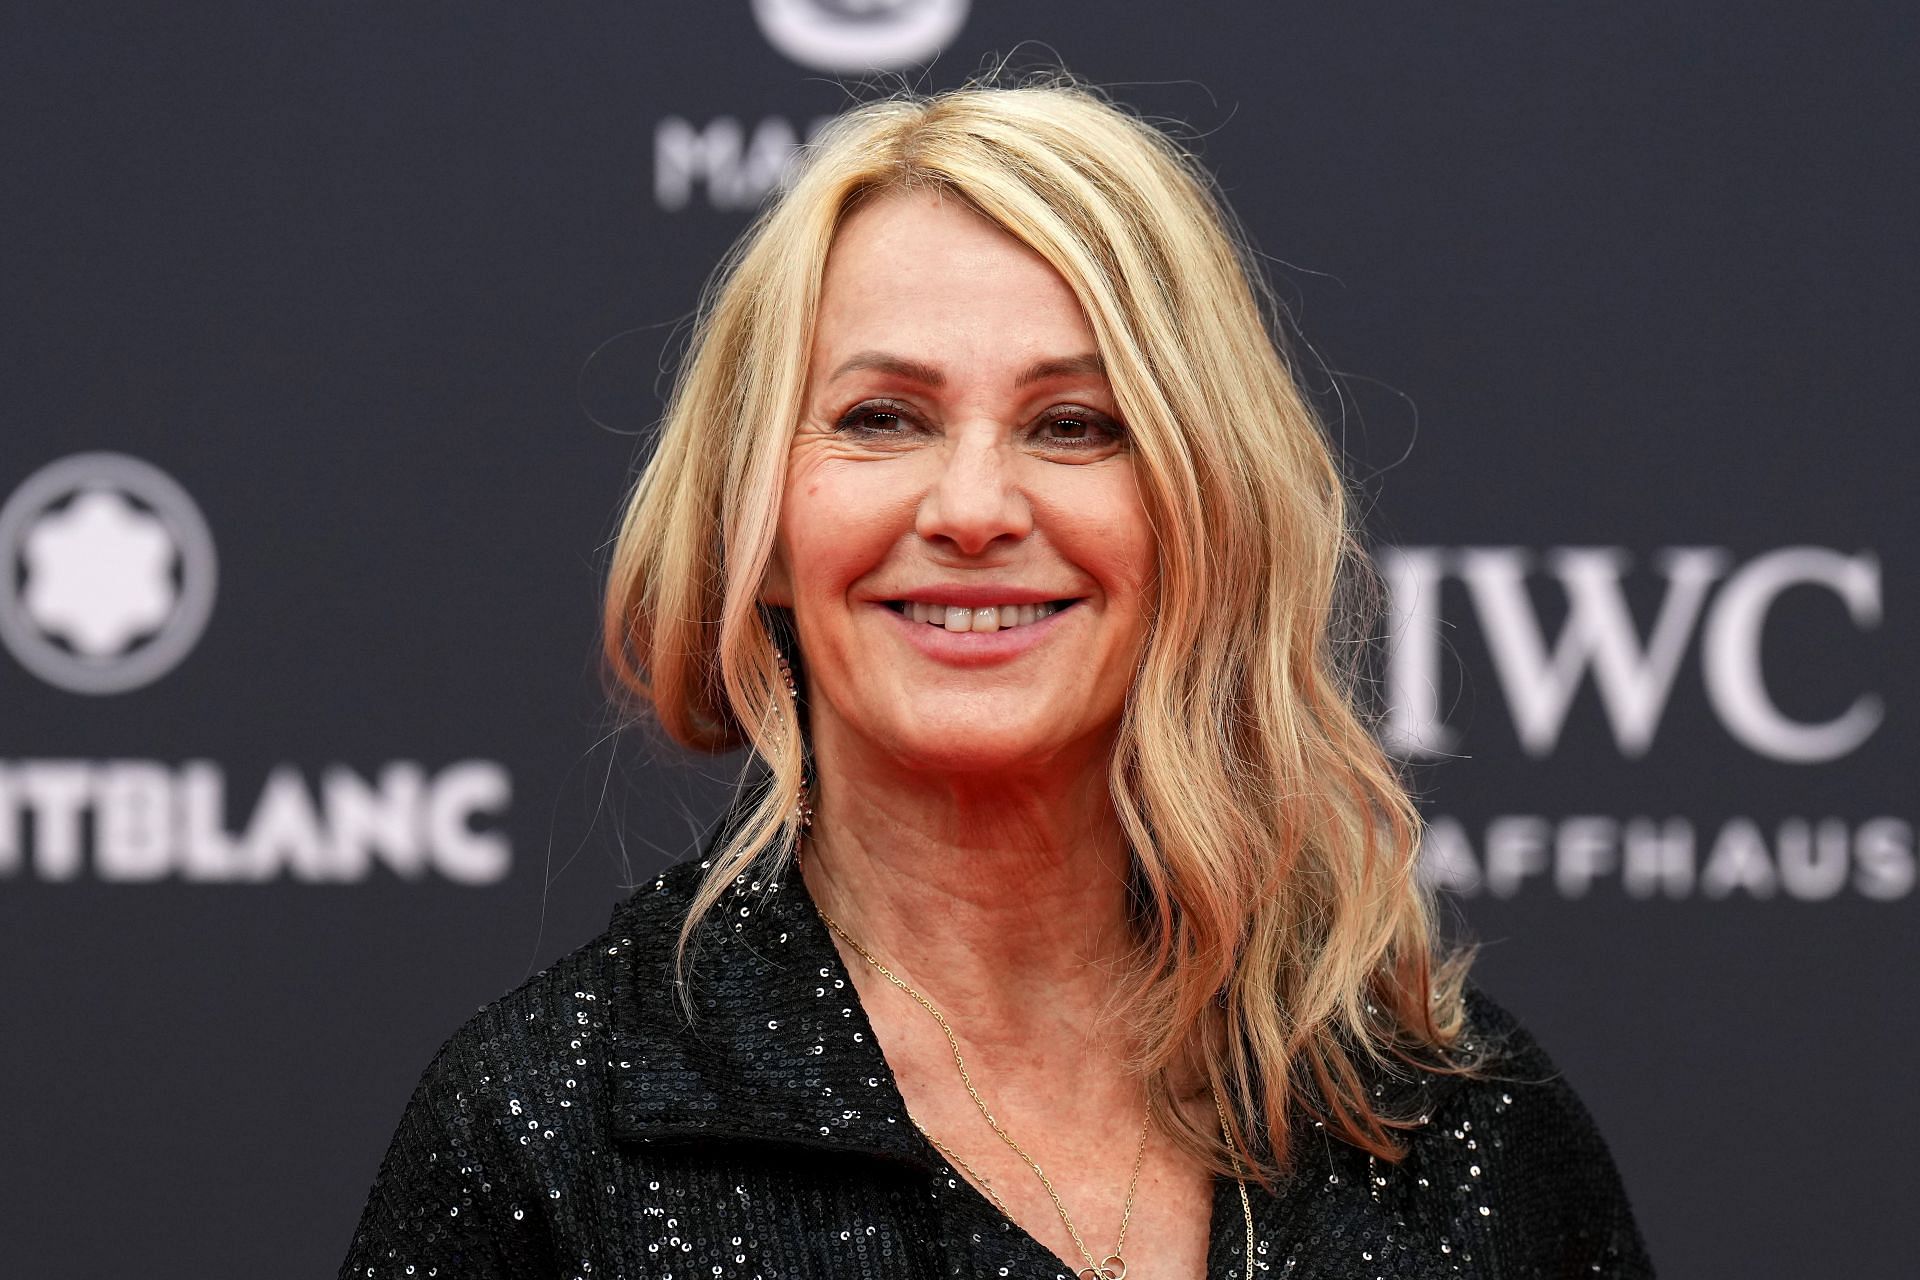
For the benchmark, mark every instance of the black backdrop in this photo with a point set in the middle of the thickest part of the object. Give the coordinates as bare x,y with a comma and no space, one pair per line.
1616,302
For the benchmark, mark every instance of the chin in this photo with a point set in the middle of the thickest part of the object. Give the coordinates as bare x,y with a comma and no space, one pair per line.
972,744
930,726
937,755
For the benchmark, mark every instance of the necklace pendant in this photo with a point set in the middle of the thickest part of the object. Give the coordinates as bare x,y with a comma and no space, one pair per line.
1112,1267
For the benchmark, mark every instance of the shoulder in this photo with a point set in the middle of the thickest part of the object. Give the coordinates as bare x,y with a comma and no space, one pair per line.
1514,1158
518,1085
555,1015
1516,1081
567,1008
550,1037
651,914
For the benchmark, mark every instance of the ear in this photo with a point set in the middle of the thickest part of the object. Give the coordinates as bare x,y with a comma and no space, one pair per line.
776,588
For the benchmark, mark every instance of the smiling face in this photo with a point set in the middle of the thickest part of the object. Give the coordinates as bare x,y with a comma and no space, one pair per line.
961,539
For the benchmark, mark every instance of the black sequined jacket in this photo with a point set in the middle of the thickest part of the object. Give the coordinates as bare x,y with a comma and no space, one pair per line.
579,1128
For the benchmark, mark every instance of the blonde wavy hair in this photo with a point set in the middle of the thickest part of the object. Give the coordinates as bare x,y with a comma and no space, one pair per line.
1287,951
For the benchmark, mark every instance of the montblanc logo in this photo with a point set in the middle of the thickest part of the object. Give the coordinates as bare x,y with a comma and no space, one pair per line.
857,36
107,573
126,821
107,577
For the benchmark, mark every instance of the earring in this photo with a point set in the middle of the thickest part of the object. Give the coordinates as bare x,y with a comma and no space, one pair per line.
793,692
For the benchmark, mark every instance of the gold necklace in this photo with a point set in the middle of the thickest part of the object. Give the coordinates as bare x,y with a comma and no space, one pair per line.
1111,1267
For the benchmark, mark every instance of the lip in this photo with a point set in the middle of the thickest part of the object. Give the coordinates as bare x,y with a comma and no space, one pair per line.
977,648
971,595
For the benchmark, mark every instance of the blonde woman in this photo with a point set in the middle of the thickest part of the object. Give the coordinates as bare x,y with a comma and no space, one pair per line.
1070,926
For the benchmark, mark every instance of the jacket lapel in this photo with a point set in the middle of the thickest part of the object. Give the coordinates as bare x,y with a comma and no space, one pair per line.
779,1049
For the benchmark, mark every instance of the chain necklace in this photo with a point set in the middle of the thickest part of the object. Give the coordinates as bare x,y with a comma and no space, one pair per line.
1111,1267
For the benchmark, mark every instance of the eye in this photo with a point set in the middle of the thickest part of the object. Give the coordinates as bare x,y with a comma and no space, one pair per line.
875,418
1074,427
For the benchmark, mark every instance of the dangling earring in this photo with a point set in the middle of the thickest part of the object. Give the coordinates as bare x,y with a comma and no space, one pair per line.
793,692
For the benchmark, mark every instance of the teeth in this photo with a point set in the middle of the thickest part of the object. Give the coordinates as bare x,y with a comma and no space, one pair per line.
985,618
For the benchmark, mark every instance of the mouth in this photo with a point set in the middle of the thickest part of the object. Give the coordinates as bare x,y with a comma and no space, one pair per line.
982,618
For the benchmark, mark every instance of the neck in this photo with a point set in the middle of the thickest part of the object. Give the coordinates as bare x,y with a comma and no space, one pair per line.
1003,899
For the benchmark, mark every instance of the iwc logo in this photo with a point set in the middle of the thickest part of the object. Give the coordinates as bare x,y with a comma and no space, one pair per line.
107,573
852,36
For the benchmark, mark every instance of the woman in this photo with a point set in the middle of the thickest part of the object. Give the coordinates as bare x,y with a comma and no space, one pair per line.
1072,927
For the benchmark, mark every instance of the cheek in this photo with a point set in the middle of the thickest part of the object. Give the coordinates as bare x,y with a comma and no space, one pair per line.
1104,529
835,526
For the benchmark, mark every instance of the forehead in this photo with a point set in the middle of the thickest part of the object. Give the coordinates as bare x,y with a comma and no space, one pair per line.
924,269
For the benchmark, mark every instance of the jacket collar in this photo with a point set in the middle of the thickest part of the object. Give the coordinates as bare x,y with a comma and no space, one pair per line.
779,1050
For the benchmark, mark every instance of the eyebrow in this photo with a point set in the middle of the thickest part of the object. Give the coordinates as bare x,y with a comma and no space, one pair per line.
1064,367
900,366
928,375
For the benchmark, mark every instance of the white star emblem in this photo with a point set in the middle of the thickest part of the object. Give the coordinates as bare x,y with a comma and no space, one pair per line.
99,573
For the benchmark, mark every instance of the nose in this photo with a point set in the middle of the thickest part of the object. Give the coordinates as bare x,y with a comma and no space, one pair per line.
974,501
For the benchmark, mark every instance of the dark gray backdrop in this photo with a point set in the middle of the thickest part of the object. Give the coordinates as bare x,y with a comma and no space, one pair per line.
386,290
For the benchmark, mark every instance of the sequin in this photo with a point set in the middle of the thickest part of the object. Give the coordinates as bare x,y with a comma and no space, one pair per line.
678,1150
